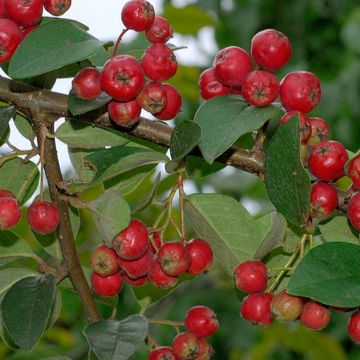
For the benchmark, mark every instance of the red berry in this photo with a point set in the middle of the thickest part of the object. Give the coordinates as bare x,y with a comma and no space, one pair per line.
87,84
323,199
24,12
320,131
122,78
201,256
315,316
210,86
160,31
173,104
104,261
159,62
158,276
10,212
327,160
138,15
260,88
153,97
132,243
162,353
185,346
10,38
2,9
305,130
205,350
134,282
353,211
106,286
124,113
57,7
173,258
354,171
201,321
136,268
256,308
232,65
286,307
354,327
300,90
251,276
271,49
6,194
43,216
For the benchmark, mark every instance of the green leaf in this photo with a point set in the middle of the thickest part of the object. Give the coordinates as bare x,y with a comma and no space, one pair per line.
287,182
26,320
338,229
233,234
53,45
184,138
11,275
149,197
84,173
82,135
224,119
6,113
187,20
111,214
329,274
24,127
116,340
13,247
25,183
78,106
55,309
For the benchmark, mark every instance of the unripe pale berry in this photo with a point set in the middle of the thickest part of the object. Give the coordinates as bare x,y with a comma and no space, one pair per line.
251,276
323,199
315,316
162,353
153,97
286,307
104,261
160,31
255,308
136,268
320,131
173,104
124,113
106,286
210,86
24,12
353,211
305,129
201,321
354,171
159,278
10,212
185,346
201,256
87,84
43,216
354,327
10,38
138,15
57,7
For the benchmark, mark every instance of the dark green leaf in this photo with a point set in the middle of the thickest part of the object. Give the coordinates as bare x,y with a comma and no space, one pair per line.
197,167
11,275
286,180
78,106
24,127
13,246
26,320
149,197
6,113
338,229
84,173
116,340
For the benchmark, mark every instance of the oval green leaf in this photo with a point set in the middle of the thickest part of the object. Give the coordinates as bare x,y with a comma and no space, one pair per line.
78,106
6,113
338,229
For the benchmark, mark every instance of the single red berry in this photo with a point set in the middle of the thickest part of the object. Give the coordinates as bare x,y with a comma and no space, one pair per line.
231,65
124,113
136,268
201,321
10,38
323,199
205,350
106,286
201,256
24,12
2,9
160,31
87,84
132,243
353,211
320,131
173,104
43,216
122,78
162,353
315,316
260,88
158,276
354,171
10,212
28,30
138,15
271,49
6,194
285,307
327,160
156,242
173,258
210,86
104,261
236,90
251,276
185,346
255,308
57,7
300,90
153,97
305,129
354,327
134,282
159,62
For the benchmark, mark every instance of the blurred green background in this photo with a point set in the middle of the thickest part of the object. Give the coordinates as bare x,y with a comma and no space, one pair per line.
325,39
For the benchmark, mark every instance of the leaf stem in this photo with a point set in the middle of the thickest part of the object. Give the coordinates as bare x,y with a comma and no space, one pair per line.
180,184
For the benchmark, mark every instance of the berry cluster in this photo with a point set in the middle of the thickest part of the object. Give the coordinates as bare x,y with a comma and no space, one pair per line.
136,258
200,322
42,216
19,17
134,85
261,307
